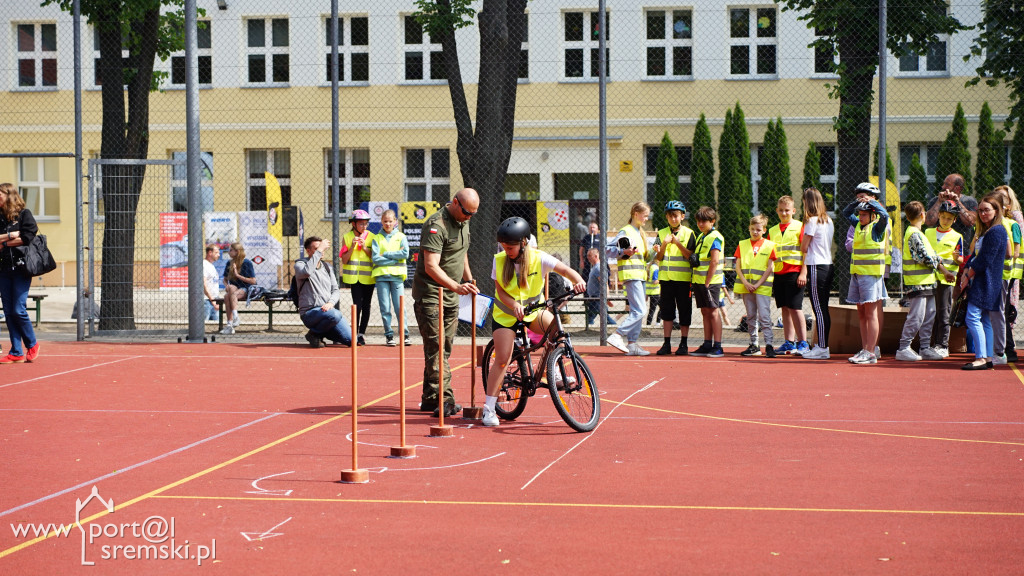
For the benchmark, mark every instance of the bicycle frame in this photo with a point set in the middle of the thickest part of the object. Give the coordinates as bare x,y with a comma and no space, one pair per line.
558,336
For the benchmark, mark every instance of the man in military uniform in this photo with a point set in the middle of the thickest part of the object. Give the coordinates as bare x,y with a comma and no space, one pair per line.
443,258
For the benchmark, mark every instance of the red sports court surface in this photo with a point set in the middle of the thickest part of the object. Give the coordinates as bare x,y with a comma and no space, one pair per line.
731,466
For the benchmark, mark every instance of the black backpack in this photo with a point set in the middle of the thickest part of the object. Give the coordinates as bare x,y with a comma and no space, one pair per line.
293,292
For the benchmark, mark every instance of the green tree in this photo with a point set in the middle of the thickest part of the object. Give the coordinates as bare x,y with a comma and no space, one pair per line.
954,155
989,168
1017,161
742,143
736,199
890,168
483,143
775,176
148,29
812,173
702,169
666,181
917,184
997,49
727,169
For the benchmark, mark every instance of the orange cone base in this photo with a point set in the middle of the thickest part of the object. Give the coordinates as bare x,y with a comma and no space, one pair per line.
473,412
442,431
359,476
403,452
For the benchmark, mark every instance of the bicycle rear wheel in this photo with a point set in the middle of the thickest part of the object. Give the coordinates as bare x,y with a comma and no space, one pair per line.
574,393
511,398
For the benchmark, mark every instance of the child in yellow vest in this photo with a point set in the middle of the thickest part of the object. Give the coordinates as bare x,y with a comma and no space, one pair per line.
653,291
789,296
707,281
390,251
754,258
919,265
673,248
949,246
630,249
357,269
867,270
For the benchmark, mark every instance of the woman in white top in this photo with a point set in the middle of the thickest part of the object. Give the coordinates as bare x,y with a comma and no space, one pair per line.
816,270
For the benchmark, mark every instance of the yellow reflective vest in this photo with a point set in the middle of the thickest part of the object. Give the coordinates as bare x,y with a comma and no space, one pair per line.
787,244
945,250
915,274
753,264
675,266
704,242
868,258
633,267
359,269
390,245
653,286
1010,264
530,294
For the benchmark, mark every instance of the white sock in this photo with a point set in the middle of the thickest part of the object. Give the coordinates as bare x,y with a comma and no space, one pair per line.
490,401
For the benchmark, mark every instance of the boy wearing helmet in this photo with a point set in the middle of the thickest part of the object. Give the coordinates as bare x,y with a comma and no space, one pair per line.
949,246
357,268
518,273
674,245
867,270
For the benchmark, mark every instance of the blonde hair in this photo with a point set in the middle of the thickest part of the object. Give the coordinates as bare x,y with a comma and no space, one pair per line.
814,206
640,207
14,204
1010,195
237,260
508,270
387,212
759,219
786,200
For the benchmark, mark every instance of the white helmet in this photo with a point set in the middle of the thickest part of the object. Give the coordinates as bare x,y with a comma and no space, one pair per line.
868,188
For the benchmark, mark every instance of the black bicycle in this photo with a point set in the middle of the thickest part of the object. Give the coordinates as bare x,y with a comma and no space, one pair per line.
574,393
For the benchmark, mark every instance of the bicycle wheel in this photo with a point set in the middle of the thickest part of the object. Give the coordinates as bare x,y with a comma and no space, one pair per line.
511,399
575,393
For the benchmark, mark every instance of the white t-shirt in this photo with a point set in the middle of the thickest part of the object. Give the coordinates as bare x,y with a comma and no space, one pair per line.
819,251
211,279
547,264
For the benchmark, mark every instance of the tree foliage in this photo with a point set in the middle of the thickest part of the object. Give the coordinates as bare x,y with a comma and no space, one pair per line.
917,183
997,48
954,155
773,163
702,169
666,181
1017,160
989,168
812,171
890,168
735,196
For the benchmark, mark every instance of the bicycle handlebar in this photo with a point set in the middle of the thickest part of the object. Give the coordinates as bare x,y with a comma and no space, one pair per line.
551,302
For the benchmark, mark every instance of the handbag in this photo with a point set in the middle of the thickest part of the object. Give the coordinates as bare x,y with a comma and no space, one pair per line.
958,313
38,259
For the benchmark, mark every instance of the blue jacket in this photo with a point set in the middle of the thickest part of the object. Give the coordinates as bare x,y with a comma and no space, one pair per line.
986,288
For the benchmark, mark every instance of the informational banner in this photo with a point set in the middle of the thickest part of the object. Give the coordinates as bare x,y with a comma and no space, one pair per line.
274,209
553,234
263,249
412,216
173,250
220,229
376,210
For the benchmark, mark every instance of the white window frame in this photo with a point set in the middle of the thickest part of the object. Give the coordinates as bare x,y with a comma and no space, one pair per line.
429,180
669,43
921,61
251,181
524,52
37,55
268,51
814,58
1007,168
588,45
43,184
684,179
752,41
96,56
205,183
345,50
923,151
200,53
426,48
97,184
833,178
347,182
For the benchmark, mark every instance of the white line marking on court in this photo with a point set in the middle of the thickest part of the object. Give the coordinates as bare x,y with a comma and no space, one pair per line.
250,536
588,436
133,466
349,438
270,492
70,371
382,469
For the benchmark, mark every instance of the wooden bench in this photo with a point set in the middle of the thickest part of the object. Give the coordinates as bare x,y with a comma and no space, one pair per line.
36,305
271,301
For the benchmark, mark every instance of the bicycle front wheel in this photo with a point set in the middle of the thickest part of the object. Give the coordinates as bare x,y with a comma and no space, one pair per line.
511,398
573,389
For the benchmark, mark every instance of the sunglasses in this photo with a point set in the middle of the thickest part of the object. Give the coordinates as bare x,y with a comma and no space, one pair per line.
464,211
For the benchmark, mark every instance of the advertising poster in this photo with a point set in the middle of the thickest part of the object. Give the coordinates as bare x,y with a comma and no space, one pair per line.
411,216
173,250
220,229
553,234
263,249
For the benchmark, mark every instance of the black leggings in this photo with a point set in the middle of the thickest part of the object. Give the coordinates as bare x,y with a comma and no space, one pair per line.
819,285
362,297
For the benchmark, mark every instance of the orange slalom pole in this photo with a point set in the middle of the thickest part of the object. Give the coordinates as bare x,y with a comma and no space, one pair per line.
473,412
355,475
402,451
441,429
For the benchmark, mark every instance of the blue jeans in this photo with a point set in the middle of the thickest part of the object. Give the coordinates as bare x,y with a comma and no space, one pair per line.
14,294
979,324
330,324
388,293
637,298
209,310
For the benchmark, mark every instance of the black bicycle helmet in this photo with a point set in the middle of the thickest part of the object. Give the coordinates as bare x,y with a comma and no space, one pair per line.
675,205
513,230
949,207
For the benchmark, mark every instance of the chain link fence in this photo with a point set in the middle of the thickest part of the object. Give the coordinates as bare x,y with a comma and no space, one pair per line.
744,96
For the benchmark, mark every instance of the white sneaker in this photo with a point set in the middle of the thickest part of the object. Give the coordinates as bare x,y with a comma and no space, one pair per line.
944,352
490,417
817,353
615,341
907,355
634,349
878,353
997,360
864,357
853,359
931,354
556,378
235,320
228,330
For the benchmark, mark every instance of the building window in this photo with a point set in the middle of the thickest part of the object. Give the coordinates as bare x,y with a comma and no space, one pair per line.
97,61
684,155
278,163
423,57
824,58
935,60
670,43
179,182
267,52
524,61
353,48
927,155
752,42
39,186
1007,173
205,53
427,175
828,168
581,36
353,179
37,55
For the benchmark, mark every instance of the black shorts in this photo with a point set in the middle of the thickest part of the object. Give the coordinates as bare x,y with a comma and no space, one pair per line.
706,296
675,295
787,294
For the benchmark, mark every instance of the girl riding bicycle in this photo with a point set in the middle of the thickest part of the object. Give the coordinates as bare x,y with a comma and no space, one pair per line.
518,273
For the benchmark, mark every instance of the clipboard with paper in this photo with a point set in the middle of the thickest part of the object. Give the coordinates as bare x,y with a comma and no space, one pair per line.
483,308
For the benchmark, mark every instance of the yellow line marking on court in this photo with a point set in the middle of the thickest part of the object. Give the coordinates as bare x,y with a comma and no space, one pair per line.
598,505
798,427
175,484
1013,366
